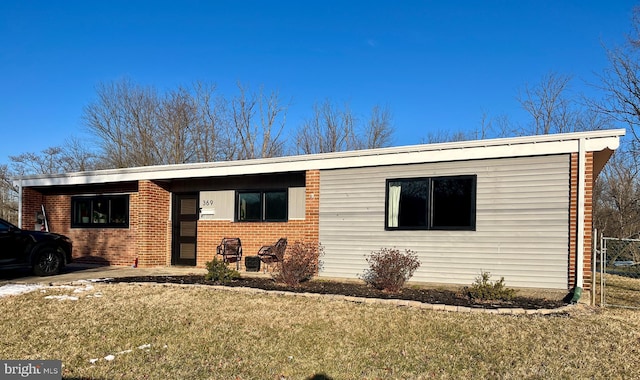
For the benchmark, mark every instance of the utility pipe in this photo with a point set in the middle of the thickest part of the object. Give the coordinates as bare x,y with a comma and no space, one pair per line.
20,203
582,157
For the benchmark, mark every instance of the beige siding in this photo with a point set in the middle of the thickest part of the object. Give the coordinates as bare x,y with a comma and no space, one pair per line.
296,203
522,230
217,205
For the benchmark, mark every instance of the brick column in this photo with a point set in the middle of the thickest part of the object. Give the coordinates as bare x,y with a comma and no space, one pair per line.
152,210
312,206
32,201
588,221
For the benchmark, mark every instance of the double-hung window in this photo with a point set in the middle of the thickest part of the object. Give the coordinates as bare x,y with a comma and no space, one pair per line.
104,211
431,203
261,206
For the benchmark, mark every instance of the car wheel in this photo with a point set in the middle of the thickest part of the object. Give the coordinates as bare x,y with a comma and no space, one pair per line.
48,262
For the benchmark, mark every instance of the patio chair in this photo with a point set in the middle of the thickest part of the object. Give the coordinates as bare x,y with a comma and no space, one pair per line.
270,254
231,251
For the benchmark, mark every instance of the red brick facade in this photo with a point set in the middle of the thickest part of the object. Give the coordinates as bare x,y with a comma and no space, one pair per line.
588,220
149,235
153,224
255,235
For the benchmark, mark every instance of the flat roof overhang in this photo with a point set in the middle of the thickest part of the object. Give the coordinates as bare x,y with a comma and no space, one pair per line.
604,142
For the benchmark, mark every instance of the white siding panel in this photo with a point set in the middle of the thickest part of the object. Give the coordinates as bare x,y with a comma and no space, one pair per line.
522,231
219,203
296,203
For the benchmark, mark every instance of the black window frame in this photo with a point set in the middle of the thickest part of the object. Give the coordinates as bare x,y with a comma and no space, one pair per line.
429,209
93,215
263,217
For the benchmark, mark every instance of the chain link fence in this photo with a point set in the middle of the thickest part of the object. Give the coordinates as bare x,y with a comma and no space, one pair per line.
618,267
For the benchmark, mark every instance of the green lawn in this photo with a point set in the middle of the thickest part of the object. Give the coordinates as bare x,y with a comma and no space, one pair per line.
176,332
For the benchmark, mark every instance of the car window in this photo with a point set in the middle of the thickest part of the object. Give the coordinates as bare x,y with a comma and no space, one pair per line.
4,226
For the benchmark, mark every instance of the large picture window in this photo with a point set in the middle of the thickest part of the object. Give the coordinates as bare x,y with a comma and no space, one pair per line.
103,211
436,203
262,206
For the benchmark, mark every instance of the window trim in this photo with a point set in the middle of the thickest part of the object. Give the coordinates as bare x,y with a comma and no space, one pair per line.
263,205
104,197
429,206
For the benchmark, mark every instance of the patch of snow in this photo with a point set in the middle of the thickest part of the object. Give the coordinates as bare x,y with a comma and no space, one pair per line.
112,357
16,289
100,279
61,298
63,287
85,289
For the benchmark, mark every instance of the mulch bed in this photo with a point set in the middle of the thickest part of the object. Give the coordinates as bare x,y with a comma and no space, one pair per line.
425,295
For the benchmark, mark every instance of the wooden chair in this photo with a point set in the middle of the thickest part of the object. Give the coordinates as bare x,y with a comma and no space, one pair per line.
231,250
269,254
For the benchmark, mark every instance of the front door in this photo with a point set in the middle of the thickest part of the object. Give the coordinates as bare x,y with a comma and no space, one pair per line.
185,228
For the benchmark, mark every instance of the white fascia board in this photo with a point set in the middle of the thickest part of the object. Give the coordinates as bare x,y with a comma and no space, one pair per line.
458,151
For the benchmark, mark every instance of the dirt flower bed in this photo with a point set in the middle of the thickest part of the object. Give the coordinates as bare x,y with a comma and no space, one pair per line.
412,293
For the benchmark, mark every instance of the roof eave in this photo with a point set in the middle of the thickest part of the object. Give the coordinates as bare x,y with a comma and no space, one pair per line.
457,151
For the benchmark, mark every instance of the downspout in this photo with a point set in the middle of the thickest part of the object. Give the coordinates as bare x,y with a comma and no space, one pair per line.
582,157
20,203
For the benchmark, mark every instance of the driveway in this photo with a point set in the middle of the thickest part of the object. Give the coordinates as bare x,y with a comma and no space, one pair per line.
75,272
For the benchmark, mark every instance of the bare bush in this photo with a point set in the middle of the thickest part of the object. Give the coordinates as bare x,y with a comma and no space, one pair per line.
301,262
389,269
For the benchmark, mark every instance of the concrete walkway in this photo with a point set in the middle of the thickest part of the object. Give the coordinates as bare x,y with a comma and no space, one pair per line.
75,272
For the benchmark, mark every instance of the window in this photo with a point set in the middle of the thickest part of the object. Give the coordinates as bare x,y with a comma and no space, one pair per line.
108,211
437,203
261,206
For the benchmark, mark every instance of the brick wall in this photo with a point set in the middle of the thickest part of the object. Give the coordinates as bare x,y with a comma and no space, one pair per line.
588,221
255,235
106,246
148,237
32,201
152,224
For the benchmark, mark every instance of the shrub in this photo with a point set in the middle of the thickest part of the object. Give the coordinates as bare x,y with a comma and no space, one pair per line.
389,269
301,262
218,271
483,289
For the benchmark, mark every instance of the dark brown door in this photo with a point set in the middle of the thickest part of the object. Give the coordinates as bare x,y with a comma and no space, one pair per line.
185,228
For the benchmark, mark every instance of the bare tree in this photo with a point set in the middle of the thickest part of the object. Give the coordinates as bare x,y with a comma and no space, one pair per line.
8,196
490,127
331,129
621,83
378,132
617,191
137,126
617,198
123,121
177,117
550,110
258,120
76,156
49,161
213,136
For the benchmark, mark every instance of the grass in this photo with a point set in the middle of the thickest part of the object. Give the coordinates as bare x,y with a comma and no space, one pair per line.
200,333
622,291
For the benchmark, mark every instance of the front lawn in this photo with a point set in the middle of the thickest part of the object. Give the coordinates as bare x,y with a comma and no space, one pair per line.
195,332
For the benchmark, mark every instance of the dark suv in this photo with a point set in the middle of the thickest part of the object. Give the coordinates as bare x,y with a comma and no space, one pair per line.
44,252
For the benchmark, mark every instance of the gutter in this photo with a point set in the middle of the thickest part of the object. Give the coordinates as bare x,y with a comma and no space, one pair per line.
582,157
20,203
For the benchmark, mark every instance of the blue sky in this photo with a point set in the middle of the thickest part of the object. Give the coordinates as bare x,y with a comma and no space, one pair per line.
437,65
